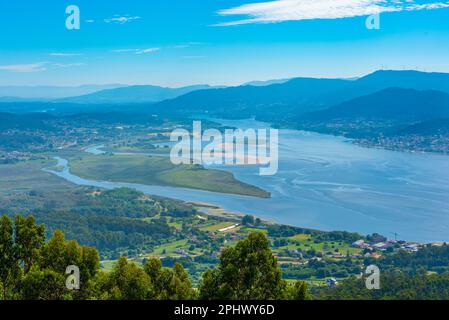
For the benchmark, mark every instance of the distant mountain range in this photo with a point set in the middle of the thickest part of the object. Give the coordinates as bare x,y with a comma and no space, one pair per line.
404,79
395,104
411,95
39,93
266,82
293,96
299,95
296,95
133,94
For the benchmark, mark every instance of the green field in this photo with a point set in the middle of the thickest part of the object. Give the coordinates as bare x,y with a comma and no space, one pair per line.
160,171
169,248
137,150
28,176
214,227
306,242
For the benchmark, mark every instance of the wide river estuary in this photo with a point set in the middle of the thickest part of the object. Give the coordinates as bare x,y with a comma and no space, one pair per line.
328,183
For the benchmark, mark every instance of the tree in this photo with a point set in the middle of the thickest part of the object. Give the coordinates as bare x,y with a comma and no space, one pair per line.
169,284
212,287
127,281
182,287
375,237
58,253
44,264
395,285
247,272
43,285
90,263
248,220
299,291
153,268
30,238
9,265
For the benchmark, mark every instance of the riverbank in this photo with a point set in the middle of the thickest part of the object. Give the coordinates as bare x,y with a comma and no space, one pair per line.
328,183
216,211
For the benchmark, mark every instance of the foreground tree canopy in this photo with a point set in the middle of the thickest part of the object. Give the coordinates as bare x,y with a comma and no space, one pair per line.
33,269
249,272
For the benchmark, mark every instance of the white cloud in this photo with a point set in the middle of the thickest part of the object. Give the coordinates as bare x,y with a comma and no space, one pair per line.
61,54
121,19
123,50
193,57
148,50
137,51
68,65
288,10
30,67
186,45
39,66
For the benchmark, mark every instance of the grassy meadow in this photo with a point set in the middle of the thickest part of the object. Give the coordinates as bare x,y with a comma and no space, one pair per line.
151,170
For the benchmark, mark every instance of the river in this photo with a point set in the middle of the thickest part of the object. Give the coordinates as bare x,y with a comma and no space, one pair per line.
328,183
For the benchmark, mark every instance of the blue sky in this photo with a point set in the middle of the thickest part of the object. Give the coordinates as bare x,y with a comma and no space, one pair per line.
219,42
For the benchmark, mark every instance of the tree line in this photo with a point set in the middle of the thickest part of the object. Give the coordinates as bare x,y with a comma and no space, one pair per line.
32,268
394,285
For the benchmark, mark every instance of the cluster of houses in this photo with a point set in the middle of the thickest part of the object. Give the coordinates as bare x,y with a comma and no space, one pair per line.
416,143
385,245
181,252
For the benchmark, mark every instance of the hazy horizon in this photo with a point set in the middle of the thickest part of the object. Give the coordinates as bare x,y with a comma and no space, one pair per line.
123,84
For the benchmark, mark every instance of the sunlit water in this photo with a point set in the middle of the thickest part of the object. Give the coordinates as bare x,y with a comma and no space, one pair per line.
328,183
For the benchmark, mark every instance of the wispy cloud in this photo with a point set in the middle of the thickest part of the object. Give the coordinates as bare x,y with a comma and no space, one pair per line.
186,45
193,57
30,67
38,66
63,54
289,10
122,19
123,50
148,50
137,51
68,65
